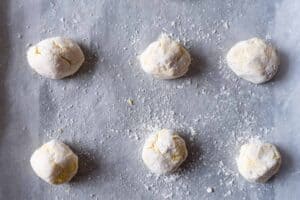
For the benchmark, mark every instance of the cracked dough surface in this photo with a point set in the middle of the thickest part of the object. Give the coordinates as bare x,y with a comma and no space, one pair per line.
55,58
164,151
165,58
54,162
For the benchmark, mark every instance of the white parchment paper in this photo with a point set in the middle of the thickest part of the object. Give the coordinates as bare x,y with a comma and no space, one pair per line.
213,109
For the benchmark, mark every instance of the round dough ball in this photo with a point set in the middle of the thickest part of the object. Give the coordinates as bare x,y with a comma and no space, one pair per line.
253,60
55,57
54,162
258,161
164,151
165,59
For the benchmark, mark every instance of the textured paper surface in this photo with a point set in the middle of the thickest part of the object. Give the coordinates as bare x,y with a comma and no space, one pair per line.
213,109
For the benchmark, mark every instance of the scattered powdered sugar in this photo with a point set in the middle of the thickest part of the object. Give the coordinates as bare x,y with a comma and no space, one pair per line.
209,190
107,110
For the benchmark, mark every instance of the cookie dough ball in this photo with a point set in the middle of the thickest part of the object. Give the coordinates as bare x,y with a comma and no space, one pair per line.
54,162
55,57
164,151
258,161
165,59
253,60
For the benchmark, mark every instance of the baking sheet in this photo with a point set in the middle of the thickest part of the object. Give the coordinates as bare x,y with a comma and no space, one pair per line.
213,109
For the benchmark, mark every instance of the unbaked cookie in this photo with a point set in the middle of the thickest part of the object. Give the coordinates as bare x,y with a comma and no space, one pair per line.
165,58
164,151
258,161
253,60
55,58
54,162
